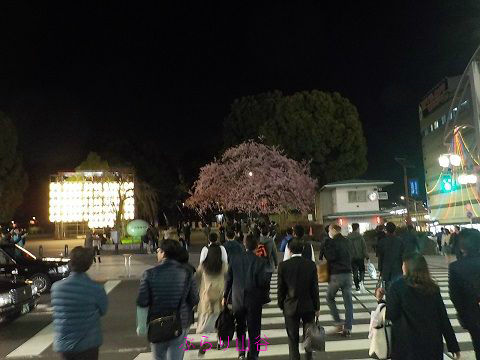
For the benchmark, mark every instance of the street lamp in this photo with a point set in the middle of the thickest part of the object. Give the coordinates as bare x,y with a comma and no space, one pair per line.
250,173
446,160
402,197
405,164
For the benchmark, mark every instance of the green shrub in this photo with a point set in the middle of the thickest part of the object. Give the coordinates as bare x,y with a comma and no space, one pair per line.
131,240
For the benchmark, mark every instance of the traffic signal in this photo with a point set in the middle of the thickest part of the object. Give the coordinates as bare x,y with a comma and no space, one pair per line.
447,183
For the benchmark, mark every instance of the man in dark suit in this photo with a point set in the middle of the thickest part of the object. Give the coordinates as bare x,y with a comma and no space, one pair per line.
464,285
297,294
247,282
390,254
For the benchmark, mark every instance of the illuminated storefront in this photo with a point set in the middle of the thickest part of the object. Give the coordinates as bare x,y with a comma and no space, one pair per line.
87,199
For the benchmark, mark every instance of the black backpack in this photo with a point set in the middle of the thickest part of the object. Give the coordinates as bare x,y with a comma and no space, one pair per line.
225,326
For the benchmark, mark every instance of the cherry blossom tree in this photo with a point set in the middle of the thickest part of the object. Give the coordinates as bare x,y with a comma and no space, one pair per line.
253,177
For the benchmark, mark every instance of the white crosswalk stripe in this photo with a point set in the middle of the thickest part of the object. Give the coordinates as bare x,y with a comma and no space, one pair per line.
337,347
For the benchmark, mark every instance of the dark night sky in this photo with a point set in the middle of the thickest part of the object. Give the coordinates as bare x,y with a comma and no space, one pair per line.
74,76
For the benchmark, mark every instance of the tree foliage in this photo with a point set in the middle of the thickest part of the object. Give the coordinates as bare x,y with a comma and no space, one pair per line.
93,162
254,177
13,179
316,126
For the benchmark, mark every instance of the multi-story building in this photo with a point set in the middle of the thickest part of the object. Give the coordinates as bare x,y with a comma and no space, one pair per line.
449,124
351,201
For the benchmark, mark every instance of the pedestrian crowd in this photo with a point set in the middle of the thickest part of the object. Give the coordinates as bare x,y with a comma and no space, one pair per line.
14,235
231,285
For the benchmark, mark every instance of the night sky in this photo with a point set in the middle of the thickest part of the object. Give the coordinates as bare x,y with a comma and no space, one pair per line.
74,77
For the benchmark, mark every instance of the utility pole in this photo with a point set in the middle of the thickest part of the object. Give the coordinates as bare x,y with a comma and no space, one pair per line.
405,164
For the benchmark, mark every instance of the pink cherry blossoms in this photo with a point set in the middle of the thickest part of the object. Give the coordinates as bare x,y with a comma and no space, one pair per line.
254,177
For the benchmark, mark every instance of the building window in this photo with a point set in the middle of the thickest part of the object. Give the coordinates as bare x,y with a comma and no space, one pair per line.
357,196
444,119
431,128
435,124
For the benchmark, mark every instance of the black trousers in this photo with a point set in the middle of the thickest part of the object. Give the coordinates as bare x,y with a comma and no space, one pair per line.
249,317
475,335
358,269
90,354
292,324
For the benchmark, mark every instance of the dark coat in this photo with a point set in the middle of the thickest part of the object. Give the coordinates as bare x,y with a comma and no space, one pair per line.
272,260
298,286
233,249
419,321
78,303
455,246
390,257
464,286
162,288
337,253
358,248
246,280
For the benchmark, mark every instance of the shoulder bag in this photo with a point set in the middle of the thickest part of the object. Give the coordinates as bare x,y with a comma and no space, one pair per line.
381,340
322,272
168,327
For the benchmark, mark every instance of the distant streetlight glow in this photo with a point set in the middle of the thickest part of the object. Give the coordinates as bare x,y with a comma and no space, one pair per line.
250,173
402,197
455,160
444,161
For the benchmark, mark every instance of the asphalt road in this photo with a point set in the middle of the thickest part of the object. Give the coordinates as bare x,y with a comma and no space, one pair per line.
30,336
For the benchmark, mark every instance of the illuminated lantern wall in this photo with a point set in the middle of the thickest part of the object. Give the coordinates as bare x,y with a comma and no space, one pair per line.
92,201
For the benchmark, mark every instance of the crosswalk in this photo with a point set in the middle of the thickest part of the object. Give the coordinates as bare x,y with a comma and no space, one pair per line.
337,347
38,345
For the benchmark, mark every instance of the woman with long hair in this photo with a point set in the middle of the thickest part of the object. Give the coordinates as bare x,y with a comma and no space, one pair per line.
211,273
418,315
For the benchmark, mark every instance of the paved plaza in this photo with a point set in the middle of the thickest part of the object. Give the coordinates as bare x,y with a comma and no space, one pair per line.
31,336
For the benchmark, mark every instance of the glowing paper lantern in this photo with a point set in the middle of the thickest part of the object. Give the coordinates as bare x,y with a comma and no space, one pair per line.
137,227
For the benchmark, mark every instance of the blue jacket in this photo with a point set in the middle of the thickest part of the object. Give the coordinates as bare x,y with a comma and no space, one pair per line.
163,287
78,303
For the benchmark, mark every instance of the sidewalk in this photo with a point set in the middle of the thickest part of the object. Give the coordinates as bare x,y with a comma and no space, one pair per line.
114,267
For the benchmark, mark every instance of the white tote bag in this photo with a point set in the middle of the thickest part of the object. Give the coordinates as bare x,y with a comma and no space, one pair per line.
372,272
380,334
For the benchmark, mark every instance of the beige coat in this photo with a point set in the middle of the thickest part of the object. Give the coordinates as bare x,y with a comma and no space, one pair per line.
211,294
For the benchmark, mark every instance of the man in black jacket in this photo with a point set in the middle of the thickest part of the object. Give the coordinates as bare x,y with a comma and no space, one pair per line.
247,282
297,295
340,270
358,254
390,254
464,285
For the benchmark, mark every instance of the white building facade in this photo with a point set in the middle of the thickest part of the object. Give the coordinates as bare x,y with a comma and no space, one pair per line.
352,201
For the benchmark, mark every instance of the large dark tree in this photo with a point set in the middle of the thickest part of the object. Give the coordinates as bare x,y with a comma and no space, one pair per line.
13,179
317,126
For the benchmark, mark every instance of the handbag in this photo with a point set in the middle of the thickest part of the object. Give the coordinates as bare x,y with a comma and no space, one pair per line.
167,327
381,340
314,337
372,272
225,325
322,272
